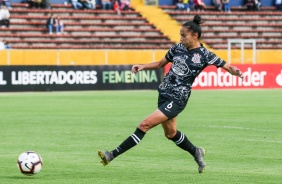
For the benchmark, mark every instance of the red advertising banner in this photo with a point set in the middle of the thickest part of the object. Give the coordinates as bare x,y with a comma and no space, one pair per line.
255,76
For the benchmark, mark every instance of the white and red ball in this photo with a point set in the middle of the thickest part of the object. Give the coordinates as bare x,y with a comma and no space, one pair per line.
30,163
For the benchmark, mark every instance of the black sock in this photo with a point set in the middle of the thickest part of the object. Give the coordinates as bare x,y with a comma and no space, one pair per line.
182,141
130,142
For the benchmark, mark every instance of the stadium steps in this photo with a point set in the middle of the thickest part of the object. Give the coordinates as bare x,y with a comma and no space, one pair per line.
212,8
31,41
86,30
160,19
261,44
53,6
71,12
81,19
92,29
91,43
91,47
264,26
27,36
242,20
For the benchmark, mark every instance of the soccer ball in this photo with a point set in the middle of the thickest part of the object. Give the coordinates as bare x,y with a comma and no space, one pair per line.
29,163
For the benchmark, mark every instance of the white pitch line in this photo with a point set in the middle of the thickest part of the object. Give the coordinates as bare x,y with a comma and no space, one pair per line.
243,128
257,140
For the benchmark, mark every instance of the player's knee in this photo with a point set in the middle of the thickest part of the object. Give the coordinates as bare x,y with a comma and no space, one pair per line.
145,126
170,135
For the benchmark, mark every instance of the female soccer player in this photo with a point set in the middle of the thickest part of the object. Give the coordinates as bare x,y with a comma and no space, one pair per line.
188,59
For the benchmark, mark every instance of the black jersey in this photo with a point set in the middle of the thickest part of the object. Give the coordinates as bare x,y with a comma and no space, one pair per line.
186,66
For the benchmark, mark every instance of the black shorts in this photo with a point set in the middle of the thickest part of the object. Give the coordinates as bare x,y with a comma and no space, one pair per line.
170,108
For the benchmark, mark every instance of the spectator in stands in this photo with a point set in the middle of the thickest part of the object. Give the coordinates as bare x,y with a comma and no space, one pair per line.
217,4
106,5
2,45
76,4
59,25
93,4
253,5
6,45
180,5
116,6
278,4
186,5
50,23
4,16
34,3
125,5
249,4
118,1
199,5
87,4
190,5
257,5
45,4
1,17
6,3
226,5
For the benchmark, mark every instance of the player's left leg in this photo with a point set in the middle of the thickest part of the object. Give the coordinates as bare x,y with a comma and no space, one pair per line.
183,142
178,137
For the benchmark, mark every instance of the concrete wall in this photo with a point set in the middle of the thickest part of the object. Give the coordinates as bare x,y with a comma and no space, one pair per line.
118,57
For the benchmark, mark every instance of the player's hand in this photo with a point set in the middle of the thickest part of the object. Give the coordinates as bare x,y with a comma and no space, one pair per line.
239,74
233,70
136,68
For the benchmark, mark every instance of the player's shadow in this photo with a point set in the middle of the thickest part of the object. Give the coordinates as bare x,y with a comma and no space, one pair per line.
20,177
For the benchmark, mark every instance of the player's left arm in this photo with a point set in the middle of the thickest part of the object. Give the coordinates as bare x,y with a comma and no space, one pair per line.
218,62
233,70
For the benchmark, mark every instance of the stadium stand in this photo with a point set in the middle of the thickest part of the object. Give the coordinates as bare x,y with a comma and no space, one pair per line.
264,26
104,29
212,8
84,29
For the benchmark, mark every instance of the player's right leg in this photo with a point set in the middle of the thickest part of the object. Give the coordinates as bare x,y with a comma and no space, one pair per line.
105,156
151,121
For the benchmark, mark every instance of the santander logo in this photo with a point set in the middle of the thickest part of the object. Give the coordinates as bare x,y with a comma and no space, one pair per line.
255,76
221,78
279,79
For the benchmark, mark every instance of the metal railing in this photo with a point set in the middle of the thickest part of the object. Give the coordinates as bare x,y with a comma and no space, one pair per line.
242,43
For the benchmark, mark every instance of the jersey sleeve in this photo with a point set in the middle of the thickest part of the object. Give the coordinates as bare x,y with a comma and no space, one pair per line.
213,59
169,55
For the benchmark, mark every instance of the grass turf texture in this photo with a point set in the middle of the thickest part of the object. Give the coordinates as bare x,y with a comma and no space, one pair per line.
240,130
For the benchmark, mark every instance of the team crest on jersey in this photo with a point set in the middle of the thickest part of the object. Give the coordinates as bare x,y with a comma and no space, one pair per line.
196,58
179,65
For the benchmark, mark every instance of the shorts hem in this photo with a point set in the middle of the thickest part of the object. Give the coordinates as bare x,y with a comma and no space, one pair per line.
166,113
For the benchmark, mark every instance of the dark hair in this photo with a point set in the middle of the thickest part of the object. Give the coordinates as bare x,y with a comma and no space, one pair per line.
194,25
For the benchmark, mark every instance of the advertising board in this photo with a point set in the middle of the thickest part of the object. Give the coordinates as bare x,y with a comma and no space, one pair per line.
255,76
63,78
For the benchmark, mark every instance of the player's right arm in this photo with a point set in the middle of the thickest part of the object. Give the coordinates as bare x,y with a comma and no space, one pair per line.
153,65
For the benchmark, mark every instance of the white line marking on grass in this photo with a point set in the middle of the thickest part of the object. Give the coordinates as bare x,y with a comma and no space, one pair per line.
243,128
259,140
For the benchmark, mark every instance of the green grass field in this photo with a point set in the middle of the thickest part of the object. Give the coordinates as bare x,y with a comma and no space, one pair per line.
241,131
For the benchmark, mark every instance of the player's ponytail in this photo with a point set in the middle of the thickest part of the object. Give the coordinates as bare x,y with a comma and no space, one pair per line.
197,19
194,25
